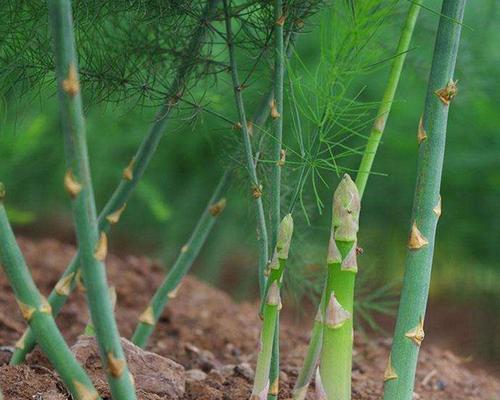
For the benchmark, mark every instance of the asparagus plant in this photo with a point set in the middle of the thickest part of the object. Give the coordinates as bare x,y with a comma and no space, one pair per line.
37,313
314,349
132,174
78,184
409,331
277,157
256,187
188,254
333,377
271,307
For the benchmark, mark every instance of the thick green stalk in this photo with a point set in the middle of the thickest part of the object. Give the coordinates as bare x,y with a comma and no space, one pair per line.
364,170
188,254
110,214
78,184
37,313
334,374
271,308
256,187
409,333
377,131
277,156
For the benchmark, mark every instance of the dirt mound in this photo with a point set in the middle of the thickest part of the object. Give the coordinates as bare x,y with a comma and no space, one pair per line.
211,336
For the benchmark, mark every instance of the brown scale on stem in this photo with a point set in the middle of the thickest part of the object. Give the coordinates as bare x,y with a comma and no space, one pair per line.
63,287
128,172
282,160
390,372
71,185
116,367
147,317
274,110
447,93
101,250
256,191
417,334
416,240
217,208
27,311
45,306
437,208
71,85
114,217
85,393
422,134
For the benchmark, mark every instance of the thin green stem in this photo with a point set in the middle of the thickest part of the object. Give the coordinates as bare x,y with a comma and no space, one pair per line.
188,254
78,183
409,332
271,308
364,170
256,187
37,313
377,131
278,159
111,212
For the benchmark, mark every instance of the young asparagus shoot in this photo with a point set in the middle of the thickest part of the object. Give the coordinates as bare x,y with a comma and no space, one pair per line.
336,353
441,89
37,313
314,349
188,254
271,307
78,184
115,206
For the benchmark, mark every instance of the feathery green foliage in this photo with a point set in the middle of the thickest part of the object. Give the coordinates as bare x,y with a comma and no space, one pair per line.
409,332
37,313
78,183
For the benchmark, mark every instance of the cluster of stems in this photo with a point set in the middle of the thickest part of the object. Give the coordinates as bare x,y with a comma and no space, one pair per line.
38,314
78,183
315,345
431,137
131,176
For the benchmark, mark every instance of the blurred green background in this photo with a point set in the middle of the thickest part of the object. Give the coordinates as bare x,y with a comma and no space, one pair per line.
465,299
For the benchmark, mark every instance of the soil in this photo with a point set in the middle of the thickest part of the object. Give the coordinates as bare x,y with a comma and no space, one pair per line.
203,329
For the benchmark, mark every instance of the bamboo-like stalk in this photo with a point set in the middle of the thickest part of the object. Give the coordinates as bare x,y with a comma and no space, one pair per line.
334,374
409,332
277,156
384,110
37,313
256,187
111,212
188,254
78,184
314,349
271,308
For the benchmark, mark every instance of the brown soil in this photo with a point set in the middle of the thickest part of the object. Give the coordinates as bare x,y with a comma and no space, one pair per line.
204,329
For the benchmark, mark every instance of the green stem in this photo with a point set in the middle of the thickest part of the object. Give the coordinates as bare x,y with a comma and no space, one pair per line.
188,254
377,131
37,313
112,210
364,170
409,333
250,162
271,308
79,185
278,160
